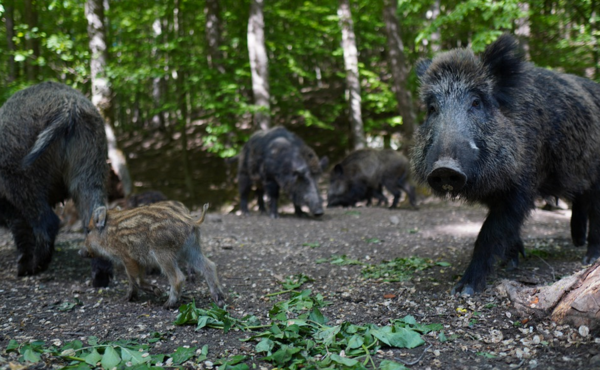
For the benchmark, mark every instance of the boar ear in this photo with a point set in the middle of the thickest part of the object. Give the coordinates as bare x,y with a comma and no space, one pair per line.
338,169
422,67
324,162
504,59
99,217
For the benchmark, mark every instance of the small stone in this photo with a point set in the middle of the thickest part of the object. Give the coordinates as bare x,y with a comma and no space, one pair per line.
394,220
584,331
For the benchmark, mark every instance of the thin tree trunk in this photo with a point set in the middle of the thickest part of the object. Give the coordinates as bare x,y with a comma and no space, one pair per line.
9,16
523,30
399,69
31,43
213,34
436,36
101,92
158,120
183,109
352,79
259,63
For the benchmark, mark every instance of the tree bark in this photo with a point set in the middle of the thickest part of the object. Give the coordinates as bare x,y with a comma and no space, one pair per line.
101,92
523,30
259,64
9,16
436,37
352,78
399,69
31,43
213,34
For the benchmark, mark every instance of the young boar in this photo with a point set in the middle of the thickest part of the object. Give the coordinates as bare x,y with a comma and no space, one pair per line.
52,147
157,235
277,159
502,132
363,173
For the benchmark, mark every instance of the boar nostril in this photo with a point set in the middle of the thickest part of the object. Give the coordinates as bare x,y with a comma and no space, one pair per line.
446,179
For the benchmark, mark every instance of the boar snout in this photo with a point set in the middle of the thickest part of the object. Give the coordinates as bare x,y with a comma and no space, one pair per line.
447,176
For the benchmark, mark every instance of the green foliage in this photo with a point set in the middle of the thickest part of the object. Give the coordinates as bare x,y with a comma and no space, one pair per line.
107,355
298,334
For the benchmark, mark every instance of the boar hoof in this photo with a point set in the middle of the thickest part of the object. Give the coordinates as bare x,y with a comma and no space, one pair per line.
170,304
26,266
463,290
590,257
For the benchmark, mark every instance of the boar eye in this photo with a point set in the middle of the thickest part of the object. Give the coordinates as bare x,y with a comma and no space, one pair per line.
476,103
431,109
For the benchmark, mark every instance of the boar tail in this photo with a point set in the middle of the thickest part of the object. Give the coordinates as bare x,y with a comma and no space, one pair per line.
57,126
201,219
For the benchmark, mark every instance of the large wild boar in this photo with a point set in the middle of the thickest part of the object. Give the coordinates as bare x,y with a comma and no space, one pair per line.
52,147
363,173
277,159
161,234
501,132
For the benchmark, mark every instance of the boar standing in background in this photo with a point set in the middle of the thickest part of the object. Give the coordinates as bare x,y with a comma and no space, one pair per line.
501,132
52,147
277,159
363,173
157,235
144,198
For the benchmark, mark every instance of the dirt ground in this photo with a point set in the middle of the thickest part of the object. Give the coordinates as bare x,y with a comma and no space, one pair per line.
255,253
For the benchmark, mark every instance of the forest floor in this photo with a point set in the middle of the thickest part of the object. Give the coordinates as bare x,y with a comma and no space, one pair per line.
255,254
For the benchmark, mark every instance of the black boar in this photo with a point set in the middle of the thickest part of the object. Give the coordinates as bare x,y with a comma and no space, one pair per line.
502,132
52,147
145,198
161,235
277,159
363,173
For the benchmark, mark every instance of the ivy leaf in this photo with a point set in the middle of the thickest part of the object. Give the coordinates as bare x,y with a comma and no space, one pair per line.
343,360
391,365
183,354
93,358
110,358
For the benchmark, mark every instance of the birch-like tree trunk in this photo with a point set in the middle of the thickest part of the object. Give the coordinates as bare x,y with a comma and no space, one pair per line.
9,16
436,37
523,29
101,92
352,78
259,63
398,68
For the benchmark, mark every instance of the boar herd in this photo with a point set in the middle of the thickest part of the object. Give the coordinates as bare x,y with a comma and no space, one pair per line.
497,131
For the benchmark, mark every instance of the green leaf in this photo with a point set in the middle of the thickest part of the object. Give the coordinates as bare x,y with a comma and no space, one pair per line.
133,356
13,346
93,358
391,365
355,342
327,334
31,356
317,316
110,358
265,345
343,360
183,354
401,338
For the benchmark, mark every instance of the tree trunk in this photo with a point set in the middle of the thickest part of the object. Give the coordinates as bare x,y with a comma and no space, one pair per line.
101,92
399,69
213,34
352,79
259,63
9,16
523,30
31,42
573,300
158,120
436,37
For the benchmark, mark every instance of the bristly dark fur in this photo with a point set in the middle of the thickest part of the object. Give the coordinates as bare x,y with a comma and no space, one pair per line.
52,147
502,132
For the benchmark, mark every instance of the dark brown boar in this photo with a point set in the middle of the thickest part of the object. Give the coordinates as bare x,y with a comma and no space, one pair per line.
145,198
502,132
362,174
52,147
157,235
274,160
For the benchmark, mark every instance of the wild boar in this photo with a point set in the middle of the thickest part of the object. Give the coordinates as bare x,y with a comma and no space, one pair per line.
277,159
52,147
502,132
363,173
159,235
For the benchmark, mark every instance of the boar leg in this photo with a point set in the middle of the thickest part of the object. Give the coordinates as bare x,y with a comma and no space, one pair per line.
176,278
593,249
134,271
260,199
244,186
202,265
499,235
393,188
272,190
579,219
34,238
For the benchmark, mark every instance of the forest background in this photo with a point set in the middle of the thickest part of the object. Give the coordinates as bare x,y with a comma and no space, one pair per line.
188,81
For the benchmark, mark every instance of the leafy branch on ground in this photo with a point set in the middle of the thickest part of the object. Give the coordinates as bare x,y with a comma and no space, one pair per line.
298,334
